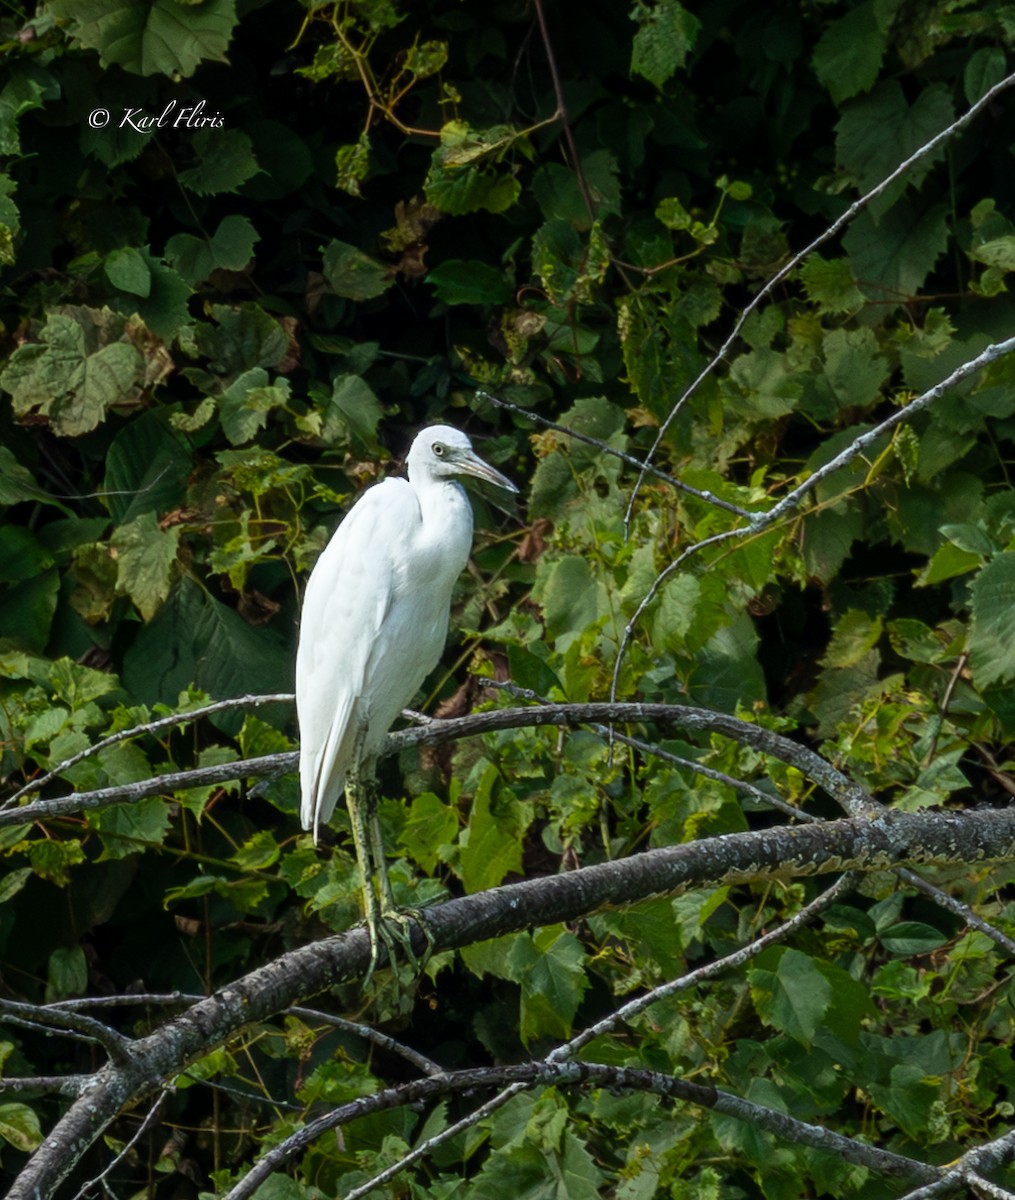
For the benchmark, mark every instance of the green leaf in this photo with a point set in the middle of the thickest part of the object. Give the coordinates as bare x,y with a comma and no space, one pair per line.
164,310
893,257
68,974
431,825
992,632
147,466
63,378
158,37
28,86
145,556
947,562
856,634
550,966
568,592
244,405
52,860
22,555
793,997
830,285
848,56
19,1126
473,282
876,133
907,938
17,483
459,181
225,161
352,162
245,336
853,367
559,194
491,844
27,609
258,853
11,882
985,68
353,274
194,640
229,248
127,271
353,412
666,35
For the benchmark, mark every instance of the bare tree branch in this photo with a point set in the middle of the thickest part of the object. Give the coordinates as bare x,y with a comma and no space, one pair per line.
625,1013
825,236
865,843
851,797
599,1075
147,727
793,499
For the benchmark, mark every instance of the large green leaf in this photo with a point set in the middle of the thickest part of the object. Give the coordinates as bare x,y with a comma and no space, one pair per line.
20,1127
892,257
146,468
793,997
848,56
666,35
229,248
225,161
992,636
145,555
62,378
194,640
878,131
491,844
354,274
151,37
550,968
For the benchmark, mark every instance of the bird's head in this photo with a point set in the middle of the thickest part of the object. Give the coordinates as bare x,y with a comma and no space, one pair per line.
442,452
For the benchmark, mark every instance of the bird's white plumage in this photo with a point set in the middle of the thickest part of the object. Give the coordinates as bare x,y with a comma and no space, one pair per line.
375,613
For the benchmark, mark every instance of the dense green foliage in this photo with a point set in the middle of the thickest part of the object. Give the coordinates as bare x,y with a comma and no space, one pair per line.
213,334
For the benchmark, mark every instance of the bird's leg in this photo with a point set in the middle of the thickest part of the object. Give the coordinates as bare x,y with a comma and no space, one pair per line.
358,785
399,927
385,923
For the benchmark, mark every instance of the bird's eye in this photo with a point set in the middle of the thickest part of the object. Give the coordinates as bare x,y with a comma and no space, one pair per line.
438,449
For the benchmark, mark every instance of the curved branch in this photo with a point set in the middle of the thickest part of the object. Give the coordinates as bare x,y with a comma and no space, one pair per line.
864,844
792,500
599,1075
826,235
852,798
147,727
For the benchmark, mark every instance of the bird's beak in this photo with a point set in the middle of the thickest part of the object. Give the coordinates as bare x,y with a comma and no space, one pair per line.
472,464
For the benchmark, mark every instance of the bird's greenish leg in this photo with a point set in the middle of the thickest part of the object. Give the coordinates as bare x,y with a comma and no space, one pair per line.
386,924
398,920
354,797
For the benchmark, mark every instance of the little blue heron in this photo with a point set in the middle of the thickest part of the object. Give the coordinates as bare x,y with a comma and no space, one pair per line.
374,623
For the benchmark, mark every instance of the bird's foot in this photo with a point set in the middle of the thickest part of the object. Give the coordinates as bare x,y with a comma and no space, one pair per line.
392,928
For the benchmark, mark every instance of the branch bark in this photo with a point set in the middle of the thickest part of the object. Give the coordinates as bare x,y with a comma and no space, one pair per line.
864,844
852,798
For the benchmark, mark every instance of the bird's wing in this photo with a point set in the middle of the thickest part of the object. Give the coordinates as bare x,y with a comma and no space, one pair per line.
348,596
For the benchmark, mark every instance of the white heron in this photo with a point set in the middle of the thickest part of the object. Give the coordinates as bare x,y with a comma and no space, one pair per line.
373,626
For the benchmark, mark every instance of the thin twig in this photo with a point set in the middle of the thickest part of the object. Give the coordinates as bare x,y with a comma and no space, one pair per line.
832,231
147,727
606,448
598,1075
50,1020
129,1145
624,1014
792,500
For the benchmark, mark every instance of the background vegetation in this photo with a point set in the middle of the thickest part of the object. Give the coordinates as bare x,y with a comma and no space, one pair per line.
300,232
